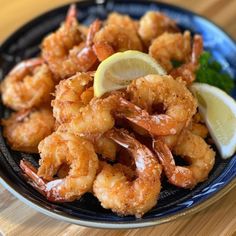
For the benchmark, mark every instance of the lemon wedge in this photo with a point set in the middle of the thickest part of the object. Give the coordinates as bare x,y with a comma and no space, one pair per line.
118,70
219,112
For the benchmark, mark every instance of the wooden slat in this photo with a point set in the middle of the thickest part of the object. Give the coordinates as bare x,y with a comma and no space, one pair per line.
218,219
18,219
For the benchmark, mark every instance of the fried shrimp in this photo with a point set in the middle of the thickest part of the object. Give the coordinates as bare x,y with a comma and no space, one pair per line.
195,151
59,149
146,92
25,129
113,38
105,147
65,51
187,71
70,97
96,118
29,84
116,191
199,129
110,138
92,121
153,24
169,47
123,21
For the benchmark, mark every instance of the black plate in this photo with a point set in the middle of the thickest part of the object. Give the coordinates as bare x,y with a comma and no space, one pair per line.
24,43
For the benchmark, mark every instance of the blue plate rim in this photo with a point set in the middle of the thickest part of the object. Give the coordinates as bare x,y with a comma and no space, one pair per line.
116,225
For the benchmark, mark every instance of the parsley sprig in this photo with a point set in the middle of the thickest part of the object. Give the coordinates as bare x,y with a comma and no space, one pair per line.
210,72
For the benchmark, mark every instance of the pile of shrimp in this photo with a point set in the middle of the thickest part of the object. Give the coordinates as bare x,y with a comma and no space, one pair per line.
118,147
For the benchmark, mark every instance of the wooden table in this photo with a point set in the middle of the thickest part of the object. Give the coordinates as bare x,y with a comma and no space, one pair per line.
18,219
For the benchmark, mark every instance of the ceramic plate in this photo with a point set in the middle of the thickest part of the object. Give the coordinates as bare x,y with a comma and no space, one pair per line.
173,201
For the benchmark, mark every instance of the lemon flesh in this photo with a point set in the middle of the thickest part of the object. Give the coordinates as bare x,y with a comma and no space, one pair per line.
219,112
118,70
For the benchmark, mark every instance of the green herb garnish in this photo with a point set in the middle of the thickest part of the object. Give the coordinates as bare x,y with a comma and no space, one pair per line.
210,72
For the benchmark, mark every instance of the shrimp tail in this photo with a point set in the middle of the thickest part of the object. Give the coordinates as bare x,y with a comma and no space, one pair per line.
187,71
87,57
156,124
122,138
48,190
31,175
178,175
197,49
93,29
71,15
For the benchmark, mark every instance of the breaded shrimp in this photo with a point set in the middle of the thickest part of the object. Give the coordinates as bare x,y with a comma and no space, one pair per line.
65,51
70,97
25,129
92,121
199,129
195,151
113,38
29,84
116,191
96,118
56,150
153,24
105,147
146,92
187,71
124,21
169,47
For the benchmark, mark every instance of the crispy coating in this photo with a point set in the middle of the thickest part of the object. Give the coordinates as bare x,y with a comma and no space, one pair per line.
114,38
153,24
95,118
169,47
199,129
123,21
25,129
65,50
187,71
117,191
28,85
106,147
178,103
71,94
195,151
57,150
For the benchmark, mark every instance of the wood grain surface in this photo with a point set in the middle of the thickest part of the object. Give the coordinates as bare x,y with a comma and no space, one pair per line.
18,219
